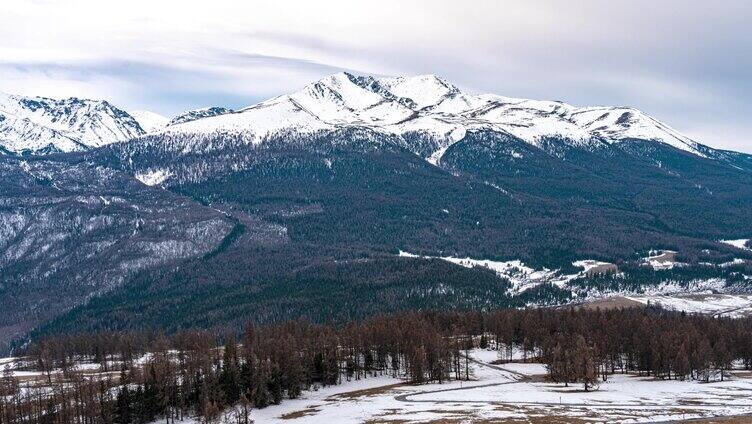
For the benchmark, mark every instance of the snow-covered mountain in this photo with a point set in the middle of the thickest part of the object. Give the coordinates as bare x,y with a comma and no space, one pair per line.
425,108
149,121
40,125
319,189
433,109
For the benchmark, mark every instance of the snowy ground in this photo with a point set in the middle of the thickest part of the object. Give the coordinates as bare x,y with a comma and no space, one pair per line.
515,392
728,305
510,392
521,276
662,259
740,243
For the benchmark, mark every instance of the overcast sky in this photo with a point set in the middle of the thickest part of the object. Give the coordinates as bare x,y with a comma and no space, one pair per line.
687,62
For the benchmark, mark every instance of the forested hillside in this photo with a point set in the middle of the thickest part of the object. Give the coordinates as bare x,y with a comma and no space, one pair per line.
350,198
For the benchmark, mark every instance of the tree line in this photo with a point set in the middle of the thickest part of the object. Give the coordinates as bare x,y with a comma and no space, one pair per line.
143,376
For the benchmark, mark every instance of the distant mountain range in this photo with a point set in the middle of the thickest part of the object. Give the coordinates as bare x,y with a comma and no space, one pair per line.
353,196
428,112
42,125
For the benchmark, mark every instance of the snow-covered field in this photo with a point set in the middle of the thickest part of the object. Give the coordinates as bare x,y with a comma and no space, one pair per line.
153,177
510,391
515,391
728,305
521,276
697,296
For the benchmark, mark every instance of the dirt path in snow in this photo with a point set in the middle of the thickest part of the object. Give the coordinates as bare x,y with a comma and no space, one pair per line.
518,377
523,378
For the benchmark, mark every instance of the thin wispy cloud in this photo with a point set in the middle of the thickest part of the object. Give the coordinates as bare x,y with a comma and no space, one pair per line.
685,62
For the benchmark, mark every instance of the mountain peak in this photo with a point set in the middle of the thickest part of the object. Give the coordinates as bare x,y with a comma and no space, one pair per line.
437,110
424,90
41,124
195,114
350,92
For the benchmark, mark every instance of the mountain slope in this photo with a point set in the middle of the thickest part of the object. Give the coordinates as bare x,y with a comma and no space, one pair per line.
320,190
192,115
562,163
349,201
69,231
42,125
149,121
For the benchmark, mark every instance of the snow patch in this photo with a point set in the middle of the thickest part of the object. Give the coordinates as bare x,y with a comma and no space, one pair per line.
436,156
662,259
729,305
490,184
153,177
149,121
739,243
590,264
521,276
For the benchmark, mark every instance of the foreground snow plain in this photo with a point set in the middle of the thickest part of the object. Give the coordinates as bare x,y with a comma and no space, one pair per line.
515,392
509,392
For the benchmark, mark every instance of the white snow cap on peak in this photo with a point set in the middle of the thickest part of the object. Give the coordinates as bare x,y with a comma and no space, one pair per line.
438,109
424,90
34,124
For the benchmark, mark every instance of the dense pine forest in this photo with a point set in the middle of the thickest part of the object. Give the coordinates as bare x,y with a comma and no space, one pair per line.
232,287
144,376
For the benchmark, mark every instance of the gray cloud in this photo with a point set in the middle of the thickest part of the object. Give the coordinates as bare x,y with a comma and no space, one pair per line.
170,89
686,62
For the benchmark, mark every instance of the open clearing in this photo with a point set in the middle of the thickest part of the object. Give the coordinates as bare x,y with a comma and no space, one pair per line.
726,305
514,392
517,393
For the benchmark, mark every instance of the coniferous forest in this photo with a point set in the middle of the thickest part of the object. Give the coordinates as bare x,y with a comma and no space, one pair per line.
147,375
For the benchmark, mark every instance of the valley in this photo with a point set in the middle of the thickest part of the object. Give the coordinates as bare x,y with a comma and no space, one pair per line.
384,212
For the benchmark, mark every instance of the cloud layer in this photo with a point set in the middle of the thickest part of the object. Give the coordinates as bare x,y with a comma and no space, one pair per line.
686,62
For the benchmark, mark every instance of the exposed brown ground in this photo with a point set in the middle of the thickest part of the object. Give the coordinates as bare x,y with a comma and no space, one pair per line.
553,420
299,414
510,420
375,391
665,257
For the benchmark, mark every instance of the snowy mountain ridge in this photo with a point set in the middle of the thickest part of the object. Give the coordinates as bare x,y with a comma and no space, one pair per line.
149,121
44,125
426,107
436,109
152,122
192,115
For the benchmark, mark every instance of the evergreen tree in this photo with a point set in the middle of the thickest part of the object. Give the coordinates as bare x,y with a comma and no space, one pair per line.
123,406
483,341
230,376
